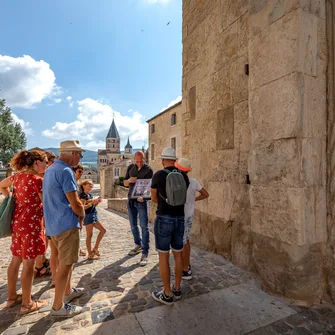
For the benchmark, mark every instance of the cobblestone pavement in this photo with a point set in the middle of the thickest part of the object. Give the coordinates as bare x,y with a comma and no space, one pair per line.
307,321
116,286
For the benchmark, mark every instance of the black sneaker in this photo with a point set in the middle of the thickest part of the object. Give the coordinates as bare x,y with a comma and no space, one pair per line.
176,293
162,297
187,275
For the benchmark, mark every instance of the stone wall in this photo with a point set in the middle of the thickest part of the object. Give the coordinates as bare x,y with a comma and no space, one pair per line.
216,130
330,249
118,204
121,192
254,90
164,132
107,182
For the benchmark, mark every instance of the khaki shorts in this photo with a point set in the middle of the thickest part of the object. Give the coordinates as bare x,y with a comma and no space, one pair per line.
67,244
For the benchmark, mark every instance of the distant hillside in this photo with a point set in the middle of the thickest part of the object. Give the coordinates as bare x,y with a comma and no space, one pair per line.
88,156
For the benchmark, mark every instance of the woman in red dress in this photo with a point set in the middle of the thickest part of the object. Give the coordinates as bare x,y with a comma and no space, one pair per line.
28,239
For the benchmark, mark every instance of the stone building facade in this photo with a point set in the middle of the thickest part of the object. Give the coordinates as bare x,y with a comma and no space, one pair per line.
165,130
109,175
258,124
91,174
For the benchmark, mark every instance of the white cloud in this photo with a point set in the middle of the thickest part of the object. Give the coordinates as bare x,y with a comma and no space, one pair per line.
25,82
71,104
24,124
69,98
92,124
173,102
57,101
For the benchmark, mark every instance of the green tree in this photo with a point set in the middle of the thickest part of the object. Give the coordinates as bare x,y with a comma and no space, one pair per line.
12,137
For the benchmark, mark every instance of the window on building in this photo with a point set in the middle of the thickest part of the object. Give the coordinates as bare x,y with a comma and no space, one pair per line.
116,172
113,141
153,128
152,152
173,143
173,119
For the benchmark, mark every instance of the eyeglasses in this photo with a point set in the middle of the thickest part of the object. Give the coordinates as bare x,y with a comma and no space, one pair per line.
80,171
78,153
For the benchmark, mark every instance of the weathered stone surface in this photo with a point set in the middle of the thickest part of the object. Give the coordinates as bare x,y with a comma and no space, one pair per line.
289,214
288,162
242,132
265,12
291,41
225,129
283,267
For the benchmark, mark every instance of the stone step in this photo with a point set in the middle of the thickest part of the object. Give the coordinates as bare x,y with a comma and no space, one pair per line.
235,310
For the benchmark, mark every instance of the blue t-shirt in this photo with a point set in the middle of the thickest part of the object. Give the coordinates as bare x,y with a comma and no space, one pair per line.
89,210
57,182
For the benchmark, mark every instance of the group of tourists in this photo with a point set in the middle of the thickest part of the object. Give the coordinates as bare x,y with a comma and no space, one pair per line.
173,220
51,208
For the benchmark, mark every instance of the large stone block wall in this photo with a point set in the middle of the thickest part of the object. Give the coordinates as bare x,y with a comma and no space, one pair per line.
330,249
258,140
287,164
216,129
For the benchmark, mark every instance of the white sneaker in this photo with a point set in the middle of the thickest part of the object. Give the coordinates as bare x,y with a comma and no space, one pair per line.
76,292
144,260
67,311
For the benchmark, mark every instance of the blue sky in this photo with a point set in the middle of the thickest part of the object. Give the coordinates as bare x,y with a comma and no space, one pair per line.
67,65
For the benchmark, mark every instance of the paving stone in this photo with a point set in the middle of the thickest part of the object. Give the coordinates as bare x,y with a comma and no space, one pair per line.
102,315
295,320
301,331
281,327
16,331
129,297
138,302
136,309
32,318
99,304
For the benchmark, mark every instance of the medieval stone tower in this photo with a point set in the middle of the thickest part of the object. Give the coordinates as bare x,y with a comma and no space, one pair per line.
128,150
112,152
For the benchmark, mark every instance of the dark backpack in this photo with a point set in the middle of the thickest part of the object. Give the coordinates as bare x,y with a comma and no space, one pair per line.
175,188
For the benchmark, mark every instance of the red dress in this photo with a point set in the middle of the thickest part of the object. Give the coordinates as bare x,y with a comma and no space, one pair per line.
28,239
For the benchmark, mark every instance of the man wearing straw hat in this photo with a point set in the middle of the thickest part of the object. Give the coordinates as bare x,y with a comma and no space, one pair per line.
64,214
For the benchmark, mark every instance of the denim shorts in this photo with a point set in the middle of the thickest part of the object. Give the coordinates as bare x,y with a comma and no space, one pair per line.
169,232
91,218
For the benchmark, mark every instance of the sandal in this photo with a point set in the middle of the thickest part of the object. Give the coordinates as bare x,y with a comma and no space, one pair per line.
40,273
93,256
82,253
96,252
34,306
13,302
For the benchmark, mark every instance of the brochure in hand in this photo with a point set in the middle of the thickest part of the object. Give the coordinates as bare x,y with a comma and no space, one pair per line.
142,189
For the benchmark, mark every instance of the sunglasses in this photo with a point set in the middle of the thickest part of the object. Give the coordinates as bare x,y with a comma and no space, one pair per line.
78,153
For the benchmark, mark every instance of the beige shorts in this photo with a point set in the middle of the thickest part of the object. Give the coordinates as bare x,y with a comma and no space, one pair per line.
67,244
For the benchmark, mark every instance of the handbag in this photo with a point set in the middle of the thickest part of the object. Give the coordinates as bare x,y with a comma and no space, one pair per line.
6,213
